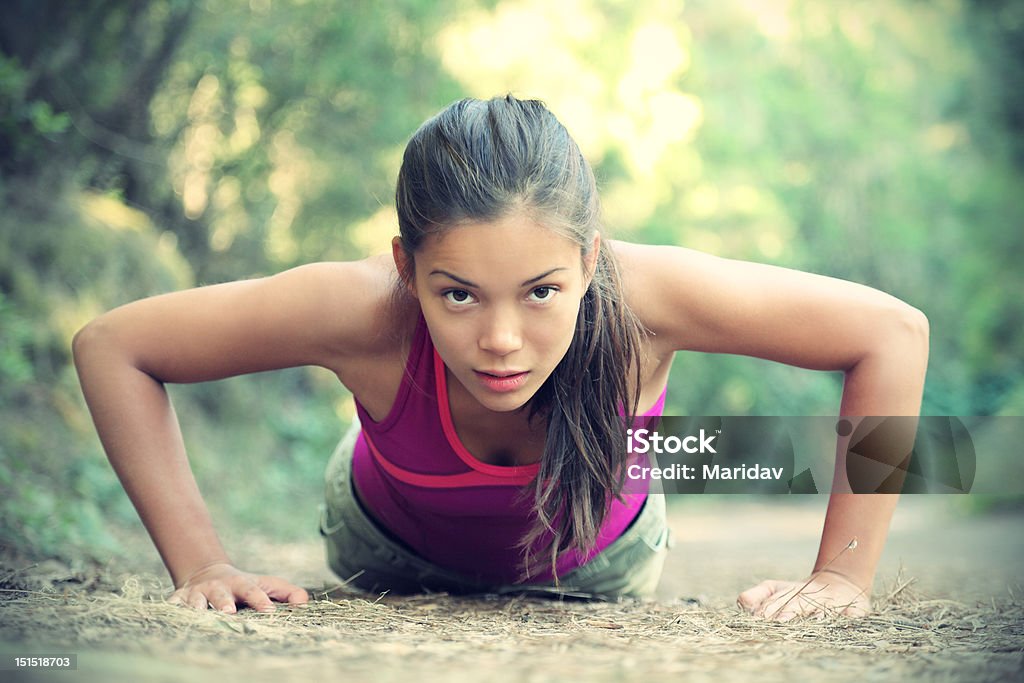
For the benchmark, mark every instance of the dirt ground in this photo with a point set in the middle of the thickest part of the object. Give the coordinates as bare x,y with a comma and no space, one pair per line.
948,607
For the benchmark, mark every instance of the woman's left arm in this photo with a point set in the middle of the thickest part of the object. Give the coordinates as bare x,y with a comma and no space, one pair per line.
695,301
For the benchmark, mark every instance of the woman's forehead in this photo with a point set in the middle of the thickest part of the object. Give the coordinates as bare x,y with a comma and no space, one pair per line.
497,251
516,233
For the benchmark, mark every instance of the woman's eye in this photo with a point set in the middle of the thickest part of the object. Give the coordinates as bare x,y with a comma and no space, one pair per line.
543,294
458,296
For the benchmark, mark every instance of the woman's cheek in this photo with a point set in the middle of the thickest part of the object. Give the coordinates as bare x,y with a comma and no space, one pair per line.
562,333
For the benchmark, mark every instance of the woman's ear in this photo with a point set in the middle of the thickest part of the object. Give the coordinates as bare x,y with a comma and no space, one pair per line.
404,264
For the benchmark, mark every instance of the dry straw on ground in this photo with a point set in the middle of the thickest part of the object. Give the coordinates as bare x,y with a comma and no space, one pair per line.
131,630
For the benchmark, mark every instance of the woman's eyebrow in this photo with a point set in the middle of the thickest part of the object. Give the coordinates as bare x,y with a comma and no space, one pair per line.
463,281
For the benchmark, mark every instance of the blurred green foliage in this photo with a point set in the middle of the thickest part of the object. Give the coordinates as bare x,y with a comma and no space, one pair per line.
150,146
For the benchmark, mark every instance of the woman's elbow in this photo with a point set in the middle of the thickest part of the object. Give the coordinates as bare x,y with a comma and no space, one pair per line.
86,340
910,334
915,322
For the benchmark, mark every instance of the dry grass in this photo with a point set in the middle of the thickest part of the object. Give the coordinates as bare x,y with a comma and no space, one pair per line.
949,617
121,627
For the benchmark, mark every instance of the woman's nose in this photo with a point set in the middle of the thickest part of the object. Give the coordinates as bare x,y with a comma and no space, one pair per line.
501,334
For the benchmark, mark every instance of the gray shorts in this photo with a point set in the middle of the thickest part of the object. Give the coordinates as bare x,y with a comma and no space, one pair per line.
370,558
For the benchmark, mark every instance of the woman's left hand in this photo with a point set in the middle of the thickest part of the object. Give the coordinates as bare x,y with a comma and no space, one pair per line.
824,593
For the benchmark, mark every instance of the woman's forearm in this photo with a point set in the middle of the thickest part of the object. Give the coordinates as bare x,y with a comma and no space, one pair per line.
887,383
139,431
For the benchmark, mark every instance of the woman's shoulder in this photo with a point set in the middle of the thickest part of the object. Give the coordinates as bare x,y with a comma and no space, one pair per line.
368,319
687,299
364,306
652,274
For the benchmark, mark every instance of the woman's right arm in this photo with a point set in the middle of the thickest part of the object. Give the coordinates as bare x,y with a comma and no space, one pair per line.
322,314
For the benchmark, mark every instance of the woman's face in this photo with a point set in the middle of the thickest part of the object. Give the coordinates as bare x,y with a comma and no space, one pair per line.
500,299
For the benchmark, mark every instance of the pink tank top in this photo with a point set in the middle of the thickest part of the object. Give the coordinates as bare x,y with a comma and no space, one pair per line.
462,514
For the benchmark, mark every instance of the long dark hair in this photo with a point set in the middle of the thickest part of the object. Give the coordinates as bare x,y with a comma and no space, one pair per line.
479,160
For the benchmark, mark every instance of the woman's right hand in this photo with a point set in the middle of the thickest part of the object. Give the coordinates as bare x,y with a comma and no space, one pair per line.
223,587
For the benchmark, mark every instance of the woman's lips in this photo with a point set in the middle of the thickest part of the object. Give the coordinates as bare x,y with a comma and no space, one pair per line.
502,382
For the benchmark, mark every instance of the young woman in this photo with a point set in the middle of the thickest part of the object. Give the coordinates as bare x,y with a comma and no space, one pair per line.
492,357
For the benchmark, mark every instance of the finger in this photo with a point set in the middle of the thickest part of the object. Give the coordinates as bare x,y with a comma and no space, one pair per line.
783,600
222,600
254,596
753,598
787,607
196,600
776,612
282,591
856,610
